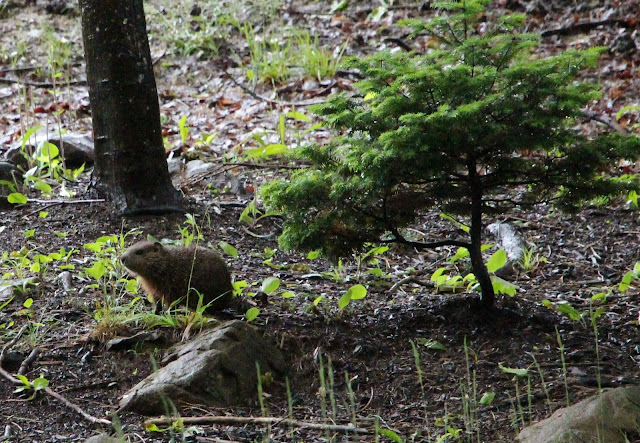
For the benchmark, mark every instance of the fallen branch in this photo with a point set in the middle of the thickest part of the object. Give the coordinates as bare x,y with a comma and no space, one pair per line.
605,120
48,390
411,279
44,84
579,28
222,420
78,409
26,364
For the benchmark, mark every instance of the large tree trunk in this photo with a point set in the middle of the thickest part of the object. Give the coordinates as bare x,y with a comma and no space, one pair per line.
131,167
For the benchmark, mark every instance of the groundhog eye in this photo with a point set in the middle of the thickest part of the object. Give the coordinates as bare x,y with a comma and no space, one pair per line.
138,252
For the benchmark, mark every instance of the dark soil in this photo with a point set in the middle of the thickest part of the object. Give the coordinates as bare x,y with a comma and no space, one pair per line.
416,392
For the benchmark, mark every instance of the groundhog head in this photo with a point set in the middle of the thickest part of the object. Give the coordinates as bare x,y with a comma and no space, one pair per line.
143,254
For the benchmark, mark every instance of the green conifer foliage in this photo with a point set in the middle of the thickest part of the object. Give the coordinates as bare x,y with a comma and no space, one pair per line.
476,126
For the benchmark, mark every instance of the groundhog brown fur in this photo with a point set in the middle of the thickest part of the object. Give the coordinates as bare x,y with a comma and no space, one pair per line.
167,274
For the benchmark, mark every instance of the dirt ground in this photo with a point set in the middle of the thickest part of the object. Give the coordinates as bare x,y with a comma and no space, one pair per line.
418,393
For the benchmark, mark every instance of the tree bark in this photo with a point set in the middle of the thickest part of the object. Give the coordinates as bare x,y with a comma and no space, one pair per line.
475,252
131,167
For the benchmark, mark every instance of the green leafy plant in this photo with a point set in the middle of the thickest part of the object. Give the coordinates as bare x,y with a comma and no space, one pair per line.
284,132
372,258
453,282
36,385
270,58
530,259
356,292
316,61
458,128
190,232
629,277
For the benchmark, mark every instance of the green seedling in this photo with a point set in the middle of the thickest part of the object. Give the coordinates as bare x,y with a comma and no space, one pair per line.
356,292
36,385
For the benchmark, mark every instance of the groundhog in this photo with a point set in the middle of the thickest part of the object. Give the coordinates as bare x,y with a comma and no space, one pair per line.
167,274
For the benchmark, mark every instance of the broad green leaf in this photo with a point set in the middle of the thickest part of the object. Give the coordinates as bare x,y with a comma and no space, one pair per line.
252,313
436,275
40,383
460,254
48,152
97,271
313,255
270,284
565,308
344,301
27,135
43,187
27,303
501,286
357,292
487,398
228,249
17,198
514,371
391,435
497,260
627,278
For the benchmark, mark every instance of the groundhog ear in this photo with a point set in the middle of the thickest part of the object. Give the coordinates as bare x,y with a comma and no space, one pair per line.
157,245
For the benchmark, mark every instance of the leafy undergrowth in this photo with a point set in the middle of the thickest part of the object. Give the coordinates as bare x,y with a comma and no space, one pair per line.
413,360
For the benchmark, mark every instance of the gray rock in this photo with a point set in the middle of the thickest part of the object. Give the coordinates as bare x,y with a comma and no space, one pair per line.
175,166
196,167
215,368
601,418
14,156
8,287
9,173
129,342
78,149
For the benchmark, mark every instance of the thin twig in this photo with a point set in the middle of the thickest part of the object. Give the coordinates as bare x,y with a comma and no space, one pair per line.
48,390
271,101
265,165
209,419
44,84
52,203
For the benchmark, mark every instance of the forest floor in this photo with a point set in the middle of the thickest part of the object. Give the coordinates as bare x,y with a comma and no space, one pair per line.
414,360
